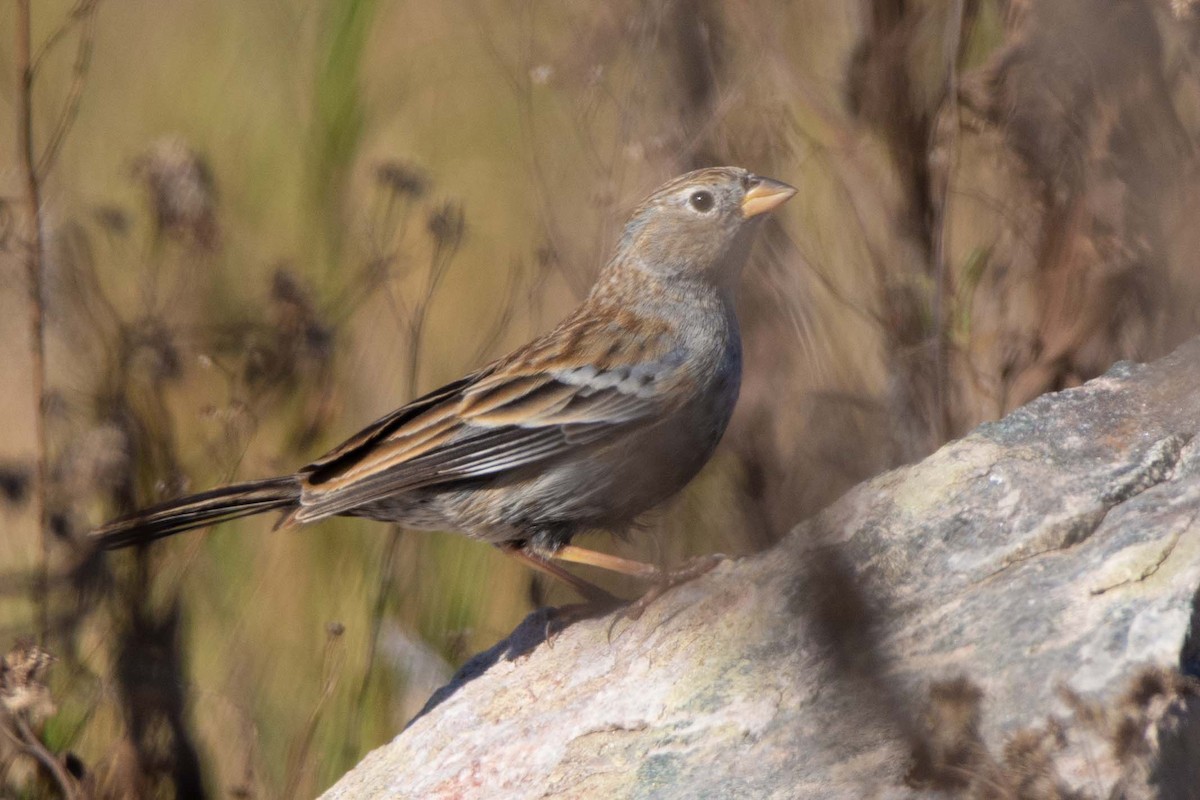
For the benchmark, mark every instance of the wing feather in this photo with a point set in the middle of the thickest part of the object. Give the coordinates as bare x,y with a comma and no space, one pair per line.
532,407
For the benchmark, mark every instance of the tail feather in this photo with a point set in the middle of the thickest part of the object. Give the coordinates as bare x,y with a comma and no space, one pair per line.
197,511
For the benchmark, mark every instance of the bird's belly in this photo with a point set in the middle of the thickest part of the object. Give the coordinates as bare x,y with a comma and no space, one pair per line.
605,488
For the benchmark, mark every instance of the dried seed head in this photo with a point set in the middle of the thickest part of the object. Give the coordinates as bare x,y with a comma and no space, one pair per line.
23,674
181,189
447,224
112,219
405,180
14,483
293,340
150,349
1182,9
297,317
286,289
99,460
950,747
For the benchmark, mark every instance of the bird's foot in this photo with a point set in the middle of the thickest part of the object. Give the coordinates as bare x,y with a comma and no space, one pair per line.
563,617
666,580
599,601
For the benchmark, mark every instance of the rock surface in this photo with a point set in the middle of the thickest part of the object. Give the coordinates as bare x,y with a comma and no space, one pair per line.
1015,616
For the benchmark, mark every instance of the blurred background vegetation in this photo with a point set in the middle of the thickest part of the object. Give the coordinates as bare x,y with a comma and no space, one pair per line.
269,223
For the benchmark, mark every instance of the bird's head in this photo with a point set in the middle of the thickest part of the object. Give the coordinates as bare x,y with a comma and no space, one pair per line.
699,225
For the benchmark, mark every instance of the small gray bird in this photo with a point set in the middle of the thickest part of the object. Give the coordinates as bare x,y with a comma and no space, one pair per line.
586,427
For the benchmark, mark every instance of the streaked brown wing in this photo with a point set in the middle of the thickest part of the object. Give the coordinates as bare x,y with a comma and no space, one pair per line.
536,405
381,429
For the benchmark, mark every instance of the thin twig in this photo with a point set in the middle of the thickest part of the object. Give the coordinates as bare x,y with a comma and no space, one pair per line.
81,8
942,425
331,668
33,272
66,782
439,264
444,250
383,590
32,746
83,58
513,292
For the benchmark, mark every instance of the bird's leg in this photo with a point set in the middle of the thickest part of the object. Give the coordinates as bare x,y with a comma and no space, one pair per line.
694,568
594,558
598,600
589,591
663,579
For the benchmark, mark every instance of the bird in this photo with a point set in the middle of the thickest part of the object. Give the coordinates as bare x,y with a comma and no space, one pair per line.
586,427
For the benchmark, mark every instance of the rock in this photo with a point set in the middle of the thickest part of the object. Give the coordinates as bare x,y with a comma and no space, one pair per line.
1014,616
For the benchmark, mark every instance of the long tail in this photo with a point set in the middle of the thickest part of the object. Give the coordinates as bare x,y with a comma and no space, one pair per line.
197,511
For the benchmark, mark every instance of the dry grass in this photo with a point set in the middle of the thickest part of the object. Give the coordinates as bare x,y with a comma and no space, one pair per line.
1118,744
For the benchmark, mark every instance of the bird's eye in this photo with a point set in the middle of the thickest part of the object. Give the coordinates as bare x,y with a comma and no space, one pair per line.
702,201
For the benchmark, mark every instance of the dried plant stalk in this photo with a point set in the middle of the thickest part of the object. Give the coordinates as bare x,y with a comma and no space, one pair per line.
33,272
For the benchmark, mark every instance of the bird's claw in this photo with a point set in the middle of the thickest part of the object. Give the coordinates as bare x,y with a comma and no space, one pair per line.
665,581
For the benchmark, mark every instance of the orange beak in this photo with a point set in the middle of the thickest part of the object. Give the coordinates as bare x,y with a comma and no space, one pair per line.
765,196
